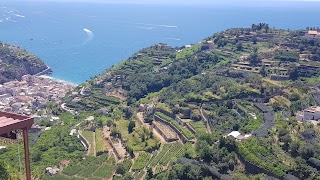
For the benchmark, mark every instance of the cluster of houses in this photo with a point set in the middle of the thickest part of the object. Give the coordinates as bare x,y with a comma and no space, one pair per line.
271,66
31,93
309,114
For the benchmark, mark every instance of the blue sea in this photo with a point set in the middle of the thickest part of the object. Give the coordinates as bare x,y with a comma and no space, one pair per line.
81,40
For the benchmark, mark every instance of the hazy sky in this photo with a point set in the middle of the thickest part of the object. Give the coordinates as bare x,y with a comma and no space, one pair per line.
236,3
178,1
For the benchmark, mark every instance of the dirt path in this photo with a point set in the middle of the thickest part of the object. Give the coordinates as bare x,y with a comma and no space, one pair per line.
94,144
141,119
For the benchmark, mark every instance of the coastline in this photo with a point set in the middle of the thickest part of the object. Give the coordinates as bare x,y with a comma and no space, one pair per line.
58,80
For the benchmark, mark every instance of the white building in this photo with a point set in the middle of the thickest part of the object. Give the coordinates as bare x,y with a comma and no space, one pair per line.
237,135
313,35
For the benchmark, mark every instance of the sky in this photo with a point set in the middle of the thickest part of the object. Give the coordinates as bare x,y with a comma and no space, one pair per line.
177,1
206,3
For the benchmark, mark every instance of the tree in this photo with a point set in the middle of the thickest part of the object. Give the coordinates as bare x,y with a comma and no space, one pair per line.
127,113
120,169
148,119
99,123
263,71
222,42
236,127
149,173
3,172
128,176
239,46
267,28
131,126
254,58
294,146
36,156
175,110
293,72
254,40
253,27
294,97
109,123
306,151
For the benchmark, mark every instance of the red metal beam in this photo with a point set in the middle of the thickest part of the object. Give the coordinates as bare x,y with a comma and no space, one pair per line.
10,122
26,153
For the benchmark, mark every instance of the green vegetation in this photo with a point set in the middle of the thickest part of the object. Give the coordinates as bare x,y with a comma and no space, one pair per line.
100,142
142,139
183,130
141,161
104,171
91,167
199,127
252,80
163,150
126,164
169,153
16,62
263,154
88,135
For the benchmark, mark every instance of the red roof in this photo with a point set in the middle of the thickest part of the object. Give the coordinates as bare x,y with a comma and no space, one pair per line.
64,162
10,122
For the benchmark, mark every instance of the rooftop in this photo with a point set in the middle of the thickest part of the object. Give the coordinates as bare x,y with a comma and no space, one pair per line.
313,109
313,32
10,122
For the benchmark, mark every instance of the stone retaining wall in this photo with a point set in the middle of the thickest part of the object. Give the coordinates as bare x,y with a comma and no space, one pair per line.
191,128
163,134
114,148
83,141
181,136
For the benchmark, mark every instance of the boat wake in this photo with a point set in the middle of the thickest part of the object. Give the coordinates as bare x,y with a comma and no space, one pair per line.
9,15
175,39
18,15
89,36
151,26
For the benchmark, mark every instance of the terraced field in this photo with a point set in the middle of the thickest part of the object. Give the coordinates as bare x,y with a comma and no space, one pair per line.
168,153
141,161
104,166
198,126
183,130
89,137
91,168
169,132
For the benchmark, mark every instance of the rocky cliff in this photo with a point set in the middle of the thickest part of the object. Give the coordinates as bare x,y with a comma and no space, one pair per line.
16,62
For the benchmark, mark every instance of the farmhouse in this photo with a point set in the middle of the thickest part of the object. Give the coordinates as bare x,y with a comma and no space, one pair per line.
276,77
304,57
147,108
313,35
237,135
311,113
52,171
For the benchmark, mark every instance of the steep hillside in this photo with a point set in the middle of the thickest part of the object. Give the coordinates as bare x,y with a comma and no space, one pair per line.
16,62
237,105
249,80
